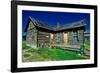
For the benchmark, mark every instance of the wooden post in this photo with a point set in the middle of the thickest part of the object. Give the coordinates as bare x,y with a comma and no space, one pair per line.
37,38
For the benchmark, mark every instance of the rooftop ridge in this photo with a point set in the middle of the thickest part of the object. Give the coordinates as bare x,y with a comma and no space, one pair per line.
66,26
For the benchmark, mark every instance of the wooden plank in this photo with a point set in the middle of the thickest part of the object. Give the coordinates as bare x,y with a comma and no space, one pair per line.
66,46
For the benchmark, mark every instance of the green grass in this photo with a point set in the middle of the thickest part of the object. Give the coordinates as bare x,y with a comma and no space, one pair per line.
49,54
59,54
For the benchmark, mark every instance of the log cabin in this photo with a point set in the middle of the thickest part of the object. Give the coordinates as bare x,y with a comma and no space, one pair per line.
41,35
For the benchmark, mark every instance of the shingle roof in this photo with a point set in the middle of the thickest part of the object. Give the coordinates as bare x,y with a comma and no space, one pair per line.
73,25
41,24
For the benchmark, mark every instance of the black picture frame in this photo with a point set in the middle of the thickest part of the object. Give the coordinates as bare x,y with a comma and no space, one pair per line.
14,4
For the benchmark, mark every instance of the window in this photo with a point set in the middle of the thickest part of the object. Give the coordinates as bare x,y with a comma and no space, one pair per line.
59,38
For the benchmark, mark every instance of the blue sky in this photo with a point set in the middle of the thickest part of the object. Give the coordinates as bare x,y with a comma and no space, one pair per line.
52,18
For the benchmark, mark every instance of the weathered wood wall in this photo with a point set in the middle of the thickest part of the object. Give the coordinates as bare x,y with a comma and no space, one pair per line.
38,38
43,39
31,37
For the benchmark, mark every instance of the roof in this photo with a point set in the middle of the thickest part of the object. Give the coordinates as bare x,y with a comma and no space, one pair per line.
86,33
41,24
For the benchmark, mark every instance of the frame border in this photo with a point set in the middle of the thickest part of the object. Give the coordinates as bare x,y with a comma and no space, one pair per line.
14,5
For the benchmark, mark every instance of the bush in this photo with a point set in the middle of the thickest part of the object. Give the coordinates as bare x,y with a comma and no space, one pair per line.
24,46
87,45
26,55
